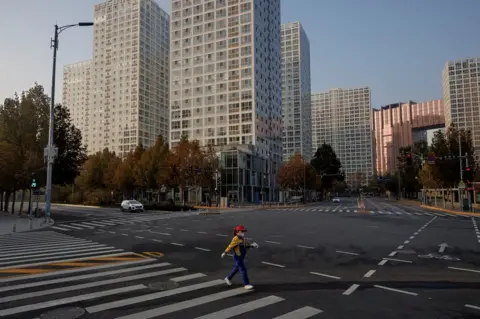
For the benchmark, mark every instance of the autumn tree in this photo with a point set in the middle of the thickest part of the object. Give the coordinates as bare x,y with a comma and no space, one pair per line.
295,174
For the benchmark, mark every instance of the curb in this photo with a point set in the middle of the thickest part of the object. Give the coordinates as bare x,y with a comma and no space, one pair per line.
71,205
210,213
451,211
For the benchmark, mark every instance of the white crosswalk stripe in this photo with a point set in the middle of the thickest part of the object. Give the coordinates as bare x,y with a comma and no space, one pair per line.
375,212
121,290
92,224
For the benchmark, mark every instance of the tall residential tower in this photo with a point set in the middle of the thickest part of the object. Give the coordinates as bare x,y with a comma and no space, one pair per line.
128,94
343,119
226,85
296,89
461,97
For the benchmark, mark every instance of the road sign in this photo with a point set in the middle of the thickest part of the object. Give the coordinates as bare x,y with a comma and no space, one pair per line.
461,185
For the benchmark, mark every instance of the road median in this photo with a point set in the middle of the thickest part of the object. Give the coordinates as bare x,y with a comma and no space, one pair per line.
450,211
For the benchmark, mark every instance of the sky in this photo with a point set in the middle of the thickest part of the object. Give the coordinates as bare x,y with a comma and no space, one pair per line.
396,47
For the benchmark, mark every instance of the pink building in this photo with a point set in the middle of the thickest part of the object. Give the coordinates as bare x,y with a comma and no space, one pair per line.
398,125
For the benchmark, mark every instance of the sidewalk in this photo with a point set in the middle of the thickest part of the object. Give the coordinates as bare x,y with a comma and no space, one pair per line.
9,222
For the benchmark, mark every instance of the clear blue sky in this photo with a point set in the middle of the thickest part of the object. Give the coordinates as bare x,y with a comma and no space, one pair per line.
396,47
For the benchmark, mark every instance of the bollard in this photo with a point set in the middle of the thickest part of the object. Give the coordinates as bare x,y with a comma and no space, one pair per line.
14,228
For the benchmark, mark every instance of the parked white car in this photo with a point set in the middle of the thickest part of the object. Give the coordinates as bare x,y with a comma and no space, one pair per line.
131,206
336,200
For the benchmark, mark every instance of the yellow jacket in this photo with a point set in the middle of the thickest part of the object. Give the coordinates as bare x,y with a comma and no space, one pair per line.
238,245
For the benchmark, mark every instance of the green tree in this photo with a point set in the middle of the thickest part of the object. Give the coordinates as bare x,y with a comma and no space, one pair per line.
326,164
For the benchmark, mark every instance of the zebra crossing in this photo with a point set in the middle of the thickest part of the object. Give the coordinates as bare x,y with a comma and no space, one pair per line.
142,288
375,212
123,220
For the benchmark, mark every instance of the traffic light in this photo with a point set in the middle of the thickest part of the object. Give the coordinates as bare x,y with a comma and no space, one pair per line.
409,159
34,181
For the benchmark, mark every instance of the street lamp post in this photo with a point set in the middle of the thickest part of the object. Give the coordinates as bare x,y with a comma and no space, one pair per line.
51,151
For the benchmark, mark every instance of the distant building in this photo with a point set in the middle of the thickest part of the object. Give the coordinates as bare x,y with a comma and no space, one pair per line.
129,77
296,90
76,95
461,95
401,124
343,119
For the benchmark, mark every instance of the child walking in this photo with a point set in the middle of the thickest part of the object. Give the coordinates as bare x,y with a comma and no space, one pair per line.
239,247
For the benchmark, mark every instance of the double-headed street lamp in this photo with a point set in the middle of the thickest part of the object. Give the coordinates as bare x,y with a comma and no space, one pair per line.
51,151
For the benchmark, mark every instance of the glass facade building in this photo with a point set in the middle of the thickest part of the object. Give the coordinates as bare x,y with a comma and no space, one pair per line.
296,90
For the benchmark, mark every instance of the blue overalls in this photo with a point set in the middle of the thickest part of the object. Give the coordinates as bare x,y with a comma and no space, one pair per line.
239,253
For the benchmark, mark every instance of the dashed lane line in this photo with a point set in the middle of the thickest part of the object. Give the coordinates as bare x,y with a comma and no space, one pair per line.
396,290
346,253
272,264
324,275
369,273
350,290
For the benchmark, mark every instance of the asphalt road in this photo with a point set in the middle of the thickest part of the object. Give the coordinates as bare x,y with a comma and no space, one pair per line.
320,261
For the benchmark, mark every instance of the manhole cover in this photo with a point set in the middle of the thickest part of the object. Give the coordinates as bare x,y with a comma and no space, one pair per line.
63,313
167,285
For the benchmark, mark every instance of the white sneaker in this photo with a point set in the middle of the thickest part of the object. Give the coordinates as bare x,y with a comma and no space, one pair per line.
228,282
248,287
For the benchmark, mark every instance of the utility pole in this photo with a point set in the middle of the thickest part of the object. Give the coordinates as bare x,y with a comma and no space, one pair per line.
50,152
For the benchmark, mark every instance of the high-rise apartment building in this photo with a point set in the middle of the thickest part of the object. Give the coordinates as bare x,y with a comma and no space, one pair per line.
342,118
129,86
296,90
401,124
461,96
226,88
76,95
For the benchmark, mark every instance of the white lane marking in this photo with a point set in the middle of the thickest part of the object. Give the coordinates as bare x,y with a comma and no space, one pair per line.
158,240
393,253
301,313
111,232
90,285
202,249
177,244
221,235
350,290
35,248
272,242
465,269
399,260
163,234
153,296
369,273
411,237
81,277
472,307
306,247
324,275
169,228
406,241
337,208
396,290
69,300
60,228
400,247
82,225
383,262
55,250
139,237
242,308
274,265
73,227
185,230
187,277
60,254
202,232
124,234
346,252
156,312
